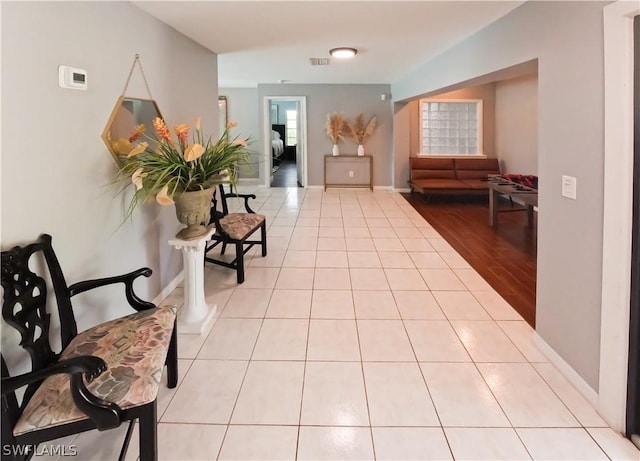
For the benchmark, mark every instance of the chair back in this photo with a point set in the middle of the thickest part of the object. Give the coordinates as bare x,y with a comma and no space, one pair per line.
24,307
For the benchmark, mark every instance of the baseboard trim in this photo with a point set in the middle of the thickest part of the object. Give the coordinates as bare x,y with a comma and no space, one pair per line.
166,291
402,189
390,188
567,371
315,187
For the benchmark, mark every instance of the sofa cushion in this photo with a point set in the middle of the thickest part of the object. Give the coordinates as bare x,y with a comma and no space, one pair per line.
134,348
429,184
434,168
475,184
487,164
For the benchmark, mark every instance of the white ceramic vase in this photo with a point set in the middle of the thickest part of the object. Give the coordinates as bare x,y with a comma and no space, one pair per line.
335,151
360,150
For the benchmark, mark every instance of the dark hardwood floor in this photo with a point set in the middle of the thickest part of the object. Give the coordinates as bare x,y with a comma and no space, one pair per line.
286,175
504,256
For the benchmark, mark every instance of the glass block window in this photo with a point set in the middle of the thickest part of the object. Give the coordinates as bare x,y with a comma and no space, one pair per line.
451,127
292,127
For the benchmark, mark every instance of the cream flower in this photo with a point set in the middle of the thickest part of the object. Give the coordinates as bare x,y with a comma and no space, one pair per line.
232,124
240,142
196,123
193,152
136,178
140,148
163,197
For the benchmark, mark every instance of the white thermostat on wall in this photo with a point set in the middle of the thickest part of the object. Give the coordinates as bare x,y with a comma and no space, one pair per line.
70,77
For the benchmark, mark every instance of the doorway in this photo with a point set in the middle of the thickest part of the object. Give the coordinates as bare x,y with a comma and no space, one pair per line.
285,136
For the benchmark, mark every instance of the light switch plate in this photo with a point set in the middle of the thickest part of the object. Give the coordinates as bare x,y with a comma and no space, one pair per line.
569,185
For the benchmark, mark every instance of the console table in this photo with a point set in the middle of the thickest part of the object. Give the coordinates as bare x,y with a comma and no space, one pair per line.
523,194
348,171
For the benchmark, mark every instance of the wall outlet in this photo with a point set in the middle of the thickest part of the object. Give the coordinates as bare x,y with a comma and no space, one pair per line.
351,174
569,185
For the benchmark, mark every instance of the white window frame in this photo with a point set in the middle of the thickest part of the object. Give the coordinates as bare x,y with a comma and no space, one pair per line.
289,128
479,122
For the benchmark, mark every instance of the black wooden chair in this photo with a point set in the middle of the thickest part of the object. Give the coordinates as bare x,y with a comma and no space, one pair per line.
102,377
234,229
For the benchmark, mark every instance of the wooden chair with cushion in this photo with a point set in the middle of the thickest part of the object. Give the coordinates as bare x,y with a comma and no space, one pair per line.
104,376
234,229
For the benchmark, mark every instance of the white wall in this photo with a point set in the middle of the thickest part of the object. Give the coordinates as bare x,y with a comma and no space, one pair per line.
56,172
567,40
350,100
516,124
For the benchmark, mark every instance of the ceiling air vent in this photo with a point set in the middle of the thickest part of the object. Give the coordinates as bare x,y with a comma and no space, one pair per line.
319,61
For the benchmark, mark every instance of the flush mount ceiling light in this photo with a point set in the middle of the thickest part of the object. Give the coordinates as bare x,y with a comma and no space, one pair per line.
343,52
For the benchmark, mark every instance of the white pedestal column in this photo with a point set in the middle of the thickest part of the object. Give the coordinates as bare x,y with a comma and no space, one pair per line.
196,315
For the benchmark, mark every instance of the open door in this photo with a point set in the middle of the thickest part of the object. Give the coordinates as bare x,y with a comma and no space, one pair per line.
288,168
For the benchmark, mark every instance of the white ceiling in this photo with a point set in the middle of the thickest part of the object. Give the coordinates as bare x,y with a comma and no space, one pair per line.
268,41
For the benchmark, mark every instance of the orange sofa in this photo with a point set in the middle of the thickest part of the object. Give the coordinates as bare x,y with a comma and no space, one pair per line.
451,175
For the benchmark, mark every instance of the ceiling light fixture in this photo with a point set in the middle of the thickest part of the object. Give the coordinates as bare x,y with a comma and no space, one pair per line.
343,52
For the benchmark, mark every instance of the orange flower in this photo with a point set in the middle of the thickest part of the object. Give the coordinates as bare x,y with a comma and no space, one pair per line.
232,124
240,142
182,131
162,130
196,123
140,148
137,132
163,197
193,152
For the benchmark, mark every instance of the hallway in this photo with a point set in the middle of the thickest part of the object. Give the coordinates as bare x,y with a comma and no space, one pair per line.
364,335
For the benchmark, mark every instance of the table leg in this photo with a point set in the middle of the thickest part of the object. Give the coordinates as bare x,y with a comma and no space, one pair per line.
530,216
493,207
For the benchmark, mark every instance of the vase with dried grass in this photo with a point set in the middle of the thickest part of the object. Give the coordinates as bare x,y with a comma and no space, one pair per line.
335,126
359,132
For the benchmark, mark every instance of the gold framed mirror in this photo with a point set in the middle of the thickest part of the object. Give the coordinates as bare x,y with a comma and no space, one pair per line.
126,115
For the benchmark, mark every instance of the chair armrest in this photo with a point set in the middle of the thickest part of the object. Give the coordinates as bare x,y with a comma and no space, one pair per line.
128,279
246,198
104,414
88,365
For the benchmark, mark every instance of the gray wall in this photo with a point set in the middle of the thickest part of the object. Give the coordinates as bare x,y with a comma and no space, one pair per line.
350,100
242,107
516,121
567,39
57,175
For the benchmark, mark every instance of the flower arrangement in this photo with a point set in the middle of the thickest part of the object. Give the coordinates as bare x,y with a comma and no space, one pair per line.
175,166
335,125
358,131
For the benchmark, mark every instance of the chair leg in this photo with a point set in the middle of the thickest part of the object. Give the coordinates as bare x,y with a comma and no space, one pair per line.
224,248
264,239
172,359
240,262
148,433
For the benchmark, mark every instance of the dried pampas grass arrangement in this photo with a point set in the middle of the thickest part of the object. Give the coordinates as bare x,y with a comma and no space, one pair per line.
358,131
335,126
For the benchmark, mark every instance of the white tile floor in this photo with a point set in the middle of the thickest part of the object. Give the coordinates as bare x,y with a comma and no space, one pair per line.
363,335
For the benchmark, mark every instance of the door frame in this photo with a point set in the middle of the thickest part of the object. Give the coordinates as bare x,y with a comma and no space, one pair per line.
302,135
618,211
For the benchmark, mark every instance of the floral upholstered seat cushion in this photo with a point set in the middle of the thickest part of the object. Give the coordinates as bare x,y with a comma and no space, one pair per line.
239,225
134,348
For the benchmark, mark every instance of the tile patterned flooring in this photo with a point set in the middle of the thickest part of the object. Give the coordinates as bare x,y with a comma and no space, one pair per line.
363,335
